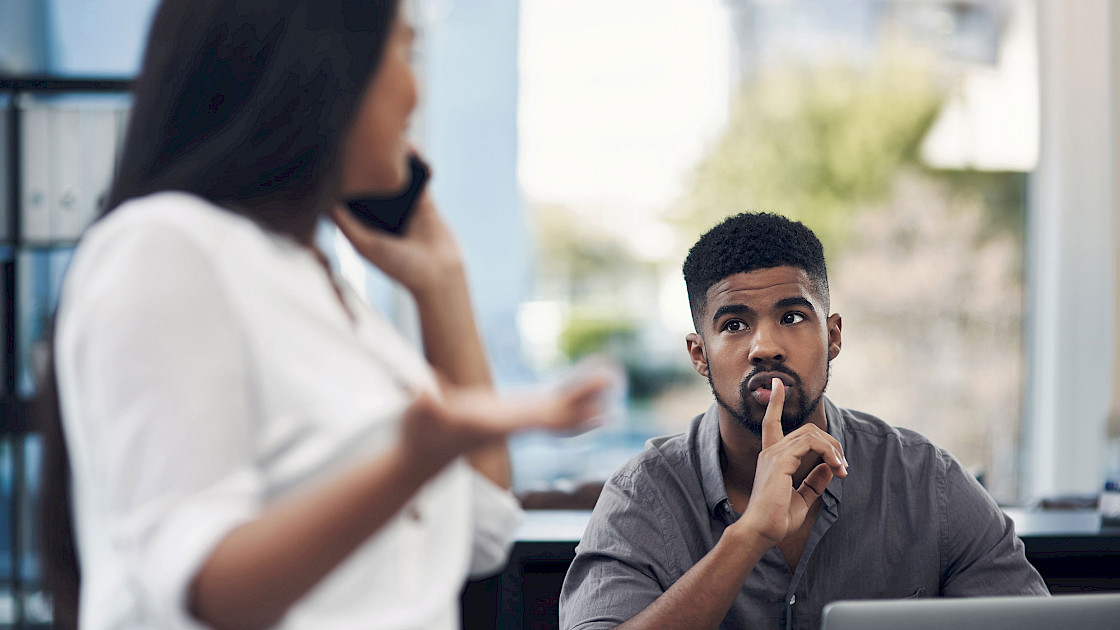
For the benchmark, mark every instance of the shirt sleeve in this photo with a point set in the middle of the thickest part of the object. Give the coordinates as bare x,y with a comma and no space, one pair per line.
497,515
158,375
980,553
619,568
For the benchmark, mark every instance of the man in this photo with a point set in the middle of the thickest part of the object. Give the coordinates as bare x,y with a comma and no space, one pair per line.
775,501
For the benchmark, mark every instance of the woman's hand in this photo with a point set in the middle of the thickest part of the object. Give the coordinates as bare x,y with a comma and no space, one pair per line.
436,432
424,257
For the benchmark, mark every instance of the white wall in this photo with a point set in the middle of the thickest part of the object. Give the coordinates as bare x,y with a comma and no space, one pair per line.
468,120
102,38
22,46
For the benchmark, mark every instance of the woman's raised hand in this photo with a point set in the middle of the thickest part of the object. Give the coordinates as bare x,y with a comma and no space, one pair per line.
436,431
421,258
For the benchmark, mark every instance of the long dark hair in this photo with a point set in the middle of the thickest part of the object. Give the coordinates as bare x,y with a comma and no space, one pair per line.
242,102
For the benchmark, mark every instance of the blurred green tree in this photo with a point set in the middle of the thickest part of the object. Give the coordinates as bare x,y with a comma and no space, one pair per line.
815,144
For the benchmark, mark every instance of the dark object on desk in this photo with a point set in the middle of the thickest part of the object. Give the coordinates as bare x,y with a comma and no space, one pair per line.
392,213
582,497
1085,612
1068,502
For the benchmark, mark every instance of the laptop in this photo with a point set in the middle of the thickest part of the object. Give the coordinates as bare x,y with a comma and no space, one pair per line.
1084,612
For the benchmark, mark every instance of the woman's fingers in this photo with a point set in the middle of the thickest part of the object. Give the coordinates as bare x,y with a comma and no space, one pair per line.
487,413
584,396
467,418
376,245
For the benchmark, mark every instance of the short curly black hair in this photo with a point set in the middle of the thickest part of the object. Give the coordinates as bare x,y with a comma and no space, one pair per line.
747,242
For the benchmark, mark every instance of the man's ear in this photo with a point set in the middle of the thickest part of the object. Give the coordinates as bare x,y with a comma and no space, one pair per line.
695,345
835,323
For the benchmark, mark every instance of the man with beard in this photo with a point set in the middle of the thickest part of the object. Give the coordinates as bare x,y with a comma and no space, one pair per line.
776,502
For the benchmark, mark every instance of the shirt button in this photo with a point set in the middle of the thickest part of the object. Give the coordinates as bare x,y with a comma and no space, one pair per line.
793,600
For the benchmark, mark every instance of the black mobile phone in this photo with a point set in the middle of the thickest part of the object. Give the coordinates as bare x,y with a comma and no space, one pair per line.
392,212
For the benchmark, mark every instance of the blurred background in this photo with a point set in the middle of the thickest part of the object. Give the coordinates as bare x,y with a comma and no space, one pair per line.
957,159
903,133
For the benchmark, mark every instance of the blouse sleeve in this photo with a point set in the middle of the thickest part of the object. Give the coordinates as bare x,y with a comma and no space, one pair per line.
497,515
153,375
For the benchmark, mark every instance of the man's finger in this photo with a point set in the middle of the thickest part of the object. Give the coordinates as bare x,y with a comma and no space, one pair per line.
813,487
810,429
772,421
797,446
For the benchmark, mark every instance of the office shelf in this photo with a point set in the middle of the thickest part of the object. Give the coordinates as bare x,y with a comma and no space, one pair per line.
44,124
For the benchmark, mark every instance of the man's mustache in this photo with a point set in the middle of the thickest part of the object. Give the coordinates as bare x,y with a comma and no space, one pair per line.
770,367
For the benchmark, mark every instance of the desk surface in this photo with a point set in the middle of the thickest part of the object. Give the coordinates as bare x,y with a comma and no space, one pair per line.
566,526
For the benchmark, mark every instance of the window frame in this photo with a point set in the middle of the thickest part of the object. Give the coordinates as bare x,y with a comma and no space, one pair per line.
1072,309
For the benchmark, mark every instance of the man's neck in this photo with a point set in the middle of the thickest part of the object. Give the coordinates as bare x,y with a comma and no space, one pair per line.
739,449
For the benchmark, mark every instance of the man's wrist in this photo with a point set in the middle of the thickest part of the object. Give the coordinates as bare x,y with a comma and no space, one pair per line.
748,533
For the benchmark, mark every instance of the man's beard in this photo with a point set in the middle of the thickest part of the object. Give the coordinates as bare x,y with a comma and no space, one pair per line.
794,413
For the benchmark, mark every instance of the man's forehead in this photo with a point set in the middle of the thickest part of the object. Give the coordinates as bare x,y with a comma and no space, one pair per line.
775,282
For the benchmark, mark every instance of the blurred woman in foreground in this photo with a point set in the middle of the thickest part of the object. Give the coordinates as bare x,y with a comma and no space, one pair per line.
250,445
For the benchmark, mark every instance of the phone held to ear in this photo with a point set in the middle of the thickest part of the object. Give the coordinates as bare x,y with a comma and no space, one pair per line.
391,213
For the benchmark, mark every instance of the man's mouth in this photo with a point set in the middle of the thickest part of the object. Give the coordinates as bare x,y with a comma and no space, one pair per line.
759,385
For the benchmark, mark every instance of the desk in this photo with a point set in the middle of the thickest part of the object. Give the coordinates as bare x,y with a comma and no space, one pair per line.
1071,550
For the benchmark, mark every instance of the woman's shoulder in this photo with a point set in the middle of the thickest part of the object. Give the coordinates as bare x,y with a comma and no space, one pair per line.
173,228
167,237
188,215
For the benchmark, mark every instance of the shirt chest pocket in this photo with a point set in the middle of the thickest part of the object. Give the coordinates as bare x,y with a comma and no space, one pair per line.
864,570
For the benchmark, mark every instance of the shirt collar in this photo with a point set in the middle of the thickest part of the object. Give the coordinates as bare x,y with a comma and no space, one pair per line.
835,420
711,473
707,440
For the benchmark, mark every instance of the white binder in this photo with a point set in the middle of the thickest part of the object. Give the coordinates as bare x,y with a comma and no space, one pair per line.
66,194
100,147
68,151
35,161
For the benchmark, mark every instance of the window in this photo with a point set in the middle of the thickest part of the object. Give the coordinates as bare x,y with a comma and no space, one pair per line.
903,133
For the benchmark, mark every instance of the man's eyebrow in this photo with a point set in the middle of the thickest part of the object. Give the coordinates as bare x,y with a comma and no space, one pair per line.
731,309
793,301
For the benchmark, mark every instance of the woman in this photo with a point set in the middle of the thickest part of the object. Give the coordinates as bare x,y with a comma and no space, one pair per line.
250,445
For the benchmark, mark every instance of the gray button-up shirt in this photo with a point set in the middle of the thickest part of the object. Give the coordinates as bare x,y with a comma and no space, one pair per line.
908,521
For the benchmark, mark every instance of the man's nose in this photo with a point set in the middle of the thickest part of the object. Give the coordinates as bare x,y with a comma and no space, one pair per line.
766,347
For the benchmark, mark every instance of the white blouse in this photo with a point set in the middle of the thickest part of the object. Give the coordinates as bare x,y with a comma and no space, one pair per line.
206,370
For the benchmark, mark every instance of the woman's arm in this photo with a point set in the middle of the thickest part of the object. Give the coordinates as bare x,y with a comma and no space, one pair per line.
454,348
427,261
263,567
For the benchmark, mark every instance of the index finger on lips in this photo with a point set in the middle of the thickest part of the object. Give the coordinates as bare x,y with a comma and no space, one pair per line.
772,421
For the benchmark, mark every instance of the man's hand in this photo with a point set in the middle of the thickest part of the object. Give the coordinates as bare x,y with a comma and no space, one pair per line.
777,509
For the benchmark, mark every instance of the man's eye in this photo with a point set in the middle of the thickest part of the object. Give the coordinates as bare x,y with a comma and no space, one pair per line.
734,326
792,318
